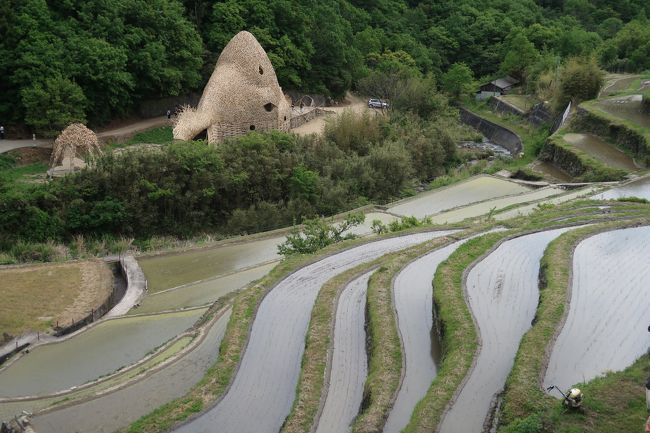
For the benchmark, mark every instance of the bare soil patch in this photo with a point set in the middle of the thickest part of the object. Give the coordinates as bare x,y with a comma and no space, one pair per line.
31,155
34,298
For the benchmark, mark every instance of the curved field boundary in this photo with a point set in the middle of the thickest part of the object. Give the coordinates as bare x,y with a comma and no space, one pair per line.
218,379
502,291
524,397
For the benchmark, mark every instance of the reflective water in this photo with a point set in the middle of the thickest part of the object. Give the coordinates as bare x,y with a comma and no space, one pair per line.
607,325
600,150
638,188
96,352
471,191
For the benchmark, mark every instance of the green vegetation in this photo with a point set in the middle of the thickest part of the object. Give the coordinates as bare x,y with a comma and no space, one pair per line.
254,183
317,234
459,338
95,60
161,135
576,162
615,402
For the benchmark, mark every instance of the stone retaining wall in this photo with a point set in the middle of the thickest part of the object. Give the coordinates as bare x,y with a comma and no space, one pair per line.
495,133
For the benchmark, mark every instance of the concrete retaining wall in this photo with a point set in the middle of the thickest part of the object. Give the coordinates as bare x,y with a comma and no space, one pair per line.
495,133
503,107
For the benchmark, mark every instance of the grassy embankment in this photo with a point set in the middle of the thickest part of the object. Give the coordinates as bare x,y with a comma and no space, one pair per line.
219,376
309,390
57,292
615,402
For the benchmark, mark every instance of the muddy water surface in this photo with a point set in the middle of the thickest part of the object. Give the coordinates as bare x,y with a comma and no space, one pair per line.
601,150
607,325
264,388
472,191
502,291
486,207
85,357
118,409
549,169
349,361
413,293
638,188
171,270
627,109
200,293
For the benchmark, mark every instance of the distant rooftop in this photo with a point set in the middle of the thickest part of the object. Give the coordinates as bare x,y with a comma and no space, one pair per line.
505,82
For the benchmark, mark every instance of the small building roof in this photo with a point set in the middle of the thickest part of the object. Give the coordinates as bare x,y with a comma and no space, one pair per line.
503,83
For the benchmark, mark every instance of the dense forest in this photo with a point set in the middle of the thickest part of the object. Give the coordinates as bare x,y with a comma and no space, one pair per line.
95,60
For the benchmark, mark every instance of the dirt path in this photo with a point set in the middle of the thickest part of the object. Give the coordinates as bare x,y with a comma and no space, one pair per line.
317,126
502,292
606,327
265,383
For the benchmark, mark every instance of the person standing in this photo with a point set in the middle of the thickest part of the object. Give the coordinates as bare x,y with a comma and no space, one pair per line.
2,132
169,114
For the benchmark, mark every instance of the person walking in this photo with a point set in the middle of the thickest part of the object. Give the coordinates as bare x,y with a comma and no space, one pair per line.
2,132
301,105
169,114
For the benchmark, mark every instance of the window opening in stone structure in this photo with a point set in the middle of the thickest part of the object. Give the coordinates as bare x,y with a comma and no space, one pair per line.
261,71
252,127
269,107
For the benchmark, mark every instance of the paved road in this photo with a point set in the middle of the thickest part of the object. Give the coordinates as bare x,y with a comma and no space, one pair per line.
7,145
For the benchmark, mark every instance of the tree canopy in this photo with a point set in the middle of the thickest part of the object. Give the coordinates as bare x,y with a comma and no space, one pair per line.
95,60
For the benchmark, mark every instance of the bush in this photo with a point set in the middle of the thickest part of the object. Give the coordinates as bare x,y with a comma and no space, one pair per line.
318,234
580,80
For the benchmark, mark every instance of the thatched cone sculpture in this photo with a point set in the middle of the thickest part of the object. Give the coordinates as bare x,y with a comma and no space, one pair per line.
242,95
74,142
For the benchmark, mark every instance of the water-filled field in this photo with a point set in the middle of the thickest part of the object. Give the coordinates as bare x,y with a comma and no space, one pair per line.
601,150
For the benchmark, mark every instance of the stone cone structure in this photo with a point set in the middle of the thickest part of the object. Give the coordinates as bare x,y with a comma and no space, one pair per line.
242,95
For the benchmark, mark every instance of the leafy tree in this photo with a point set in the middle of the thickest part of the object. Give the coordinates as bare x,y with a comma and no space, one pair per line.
458,81
520,55
580,80
53,104
317,234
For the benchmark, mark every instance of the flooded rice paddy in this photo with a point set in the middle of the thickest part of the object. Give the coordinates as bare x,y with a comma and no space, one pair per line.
601,150
171,270
99,351
264,387
484,208
116,410
502,291
413,293
200,293
549,169
628,108
473,190
349,366
527,209
607,325
637,188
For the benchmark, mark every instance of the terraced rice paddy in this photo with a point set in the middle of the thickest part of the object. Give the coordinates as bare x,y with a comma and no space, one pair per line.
601,150
606,327
474,190
349,366
117,409
527,209
171,270
96,352
628,108
638,188
502,290
490,206
201,293
421,347
263,390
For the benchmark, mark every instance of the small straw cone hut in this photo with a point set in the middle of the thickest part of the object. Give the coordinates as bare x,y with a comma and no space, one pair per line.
242,95
75,141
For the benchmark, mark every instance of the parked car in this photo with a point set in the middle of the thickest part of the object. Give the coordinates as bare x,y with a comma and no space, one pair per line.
377,103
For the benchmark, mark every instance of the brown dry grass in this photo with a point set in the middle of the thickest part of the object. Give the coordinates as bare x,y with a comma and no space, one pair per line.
35,297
